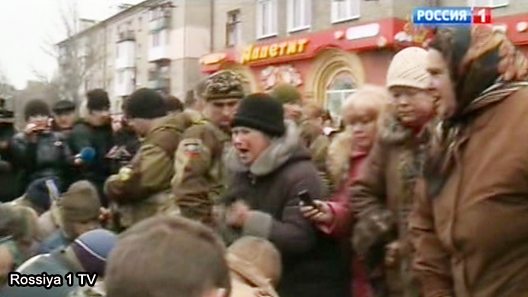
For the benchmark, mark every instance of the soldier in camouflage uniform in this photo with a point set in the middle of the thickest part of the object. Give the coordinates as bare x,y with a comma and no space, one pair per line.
142,188
199,177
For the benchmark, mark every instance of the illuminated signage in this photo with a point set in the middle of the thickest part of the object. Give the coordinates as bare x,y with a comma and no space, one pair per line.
255,53
213,58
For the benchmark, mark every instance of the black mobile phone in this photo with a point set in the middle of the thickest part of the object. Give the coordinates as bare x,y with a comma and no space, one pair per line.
305,197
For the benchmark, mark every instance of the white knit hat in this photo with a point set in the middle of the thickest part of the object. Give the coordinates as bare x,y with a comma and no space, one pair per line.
408,69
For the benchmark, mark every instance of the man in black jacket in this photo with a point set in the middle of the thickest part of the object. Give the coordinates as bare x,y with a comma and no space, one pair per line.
38,151
91,139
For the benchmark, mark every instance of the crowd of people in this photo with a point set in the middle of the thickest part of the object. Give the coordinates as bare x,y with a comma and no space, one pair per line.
419,191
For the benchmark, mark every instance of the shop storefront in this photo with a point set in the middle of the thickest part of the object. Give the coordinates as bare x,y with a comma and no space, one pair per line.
328,66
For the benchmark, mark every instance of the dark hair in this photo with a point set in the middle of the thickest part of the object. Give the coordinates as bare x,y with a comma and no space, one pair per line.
36,107
97,100
173,104
188,259
145,103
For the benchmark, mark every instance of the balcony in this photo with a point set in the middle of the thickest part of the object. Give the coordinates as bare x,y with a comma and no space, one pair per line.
126,36
160,23
125,55
159,53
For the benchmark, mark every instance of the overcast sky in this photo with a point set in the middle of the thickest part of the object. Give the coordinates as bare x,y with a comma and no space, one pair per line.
26,27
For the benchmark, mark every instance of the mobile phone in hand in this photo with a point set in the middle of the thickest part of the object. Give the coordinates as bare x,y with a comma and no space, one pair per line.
305,197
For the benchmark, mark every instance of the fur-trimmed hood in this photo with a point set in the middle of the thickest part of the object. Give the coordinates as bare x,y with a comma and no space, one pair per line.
281,150
393,132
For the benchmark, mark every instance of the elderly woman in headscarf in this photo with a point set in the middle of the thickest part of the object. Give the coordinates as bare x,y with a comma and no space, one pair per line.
470,221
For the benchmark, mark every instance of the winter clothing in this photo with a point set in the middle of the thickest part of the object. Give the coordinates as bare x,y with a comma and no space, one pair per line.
255,266
260,112
49,156
200,177
63,106
142,189
224,84
36,108
60,263
145,104
126,146
100,139
382,197
52,264
316,142
10,183
270,187
39,193
407,69
92,248
80,203
344,168
469,225
97,99
447,228
286,94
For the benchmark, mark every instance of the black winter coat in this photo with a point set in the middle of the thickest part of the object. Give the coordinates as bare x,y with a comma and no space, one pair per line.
48,156
101,140
313,264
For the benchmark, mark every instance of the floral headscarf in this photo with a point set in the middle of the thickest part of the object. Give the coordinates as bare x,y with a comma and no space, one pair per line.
485,68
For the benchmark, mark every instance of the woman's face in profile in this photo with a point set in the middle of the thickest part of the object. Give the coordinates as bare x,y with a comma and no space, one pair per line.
441,87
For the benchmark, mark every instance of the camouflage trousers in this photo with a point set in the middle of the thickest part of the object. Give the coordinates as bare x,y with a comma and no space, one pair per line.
128,214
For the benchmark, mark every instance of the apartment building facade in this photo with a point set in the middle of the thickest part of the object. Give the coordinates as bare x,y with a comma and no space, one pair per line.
155,44
327,48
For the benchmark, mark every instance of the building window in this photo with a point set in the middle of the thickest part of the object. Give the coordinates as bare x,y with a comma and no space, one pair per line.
344,10
299,14
155,39
233,28
339,88
488,3
266,18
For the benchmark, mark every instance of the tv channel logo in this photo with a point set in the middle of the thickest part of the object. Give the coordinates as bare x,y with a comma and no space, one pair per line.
451,16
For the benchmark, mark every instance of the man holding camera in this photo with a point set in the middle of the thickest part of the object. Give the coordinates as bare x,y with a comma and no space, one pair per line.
38,151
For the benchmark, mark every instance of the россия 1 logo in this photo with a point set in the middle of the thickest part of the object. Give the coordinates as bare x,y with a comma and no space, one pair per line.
451,16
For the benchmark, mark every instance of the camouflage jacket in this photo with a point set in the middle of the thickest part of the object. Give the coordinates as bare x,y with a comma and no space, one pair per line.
141,189
199,173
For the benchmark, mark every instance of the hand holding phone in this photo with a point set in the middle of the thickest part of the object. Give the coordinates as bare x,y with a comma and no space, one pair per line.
306,199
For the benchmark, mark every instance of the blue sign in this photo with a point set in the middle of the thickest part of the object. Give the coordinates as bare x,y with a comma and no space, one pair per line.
442,16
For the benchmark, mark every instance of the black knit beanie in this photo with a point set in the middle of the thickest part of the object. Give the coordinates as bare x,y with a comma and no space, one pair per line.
260,112
36,107
97,100
145,104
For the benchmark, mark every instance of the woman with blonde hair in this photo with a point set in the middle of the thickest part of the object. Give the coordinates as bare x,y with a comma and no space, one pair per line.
362,113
